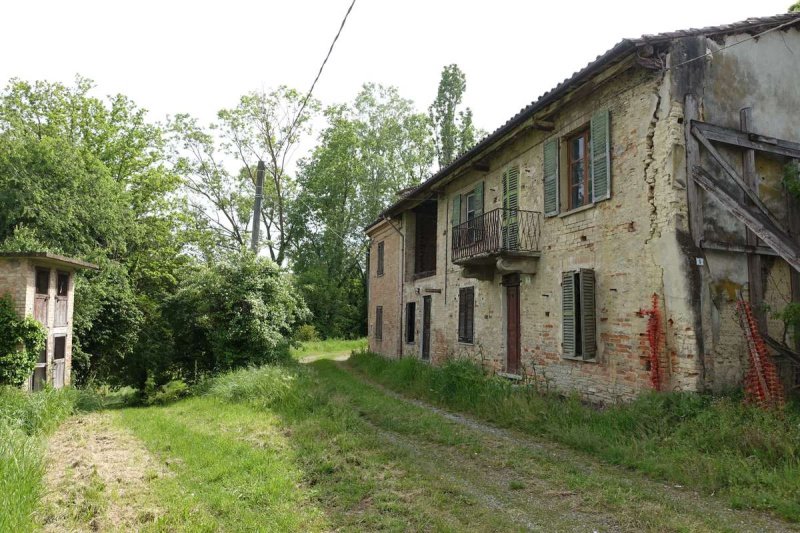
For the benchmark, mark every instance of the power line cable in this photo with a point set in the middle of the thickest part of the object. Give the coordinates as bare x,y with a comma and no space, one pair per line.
324,62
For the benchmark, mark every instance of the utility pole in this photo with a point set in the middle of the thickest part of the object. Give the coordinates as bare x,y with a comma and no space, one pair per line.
257,207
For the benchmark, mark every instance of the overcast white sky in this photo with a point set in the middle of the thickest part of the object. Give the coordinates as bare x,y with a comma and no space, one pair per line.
197,57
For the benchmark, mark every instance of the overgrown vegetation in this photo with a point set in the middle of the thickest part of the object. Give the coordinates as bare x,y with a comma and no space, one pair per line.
791,175
21,340
715,444
24,420
790,315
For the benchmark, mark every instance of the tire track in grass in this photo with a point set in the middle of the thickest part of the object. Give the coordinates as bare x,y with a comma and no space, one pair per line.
637,503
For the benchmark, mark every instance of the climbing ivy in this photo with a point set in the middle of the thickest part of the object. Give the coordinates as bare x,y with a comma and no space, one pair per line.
21,341
790,315
791,178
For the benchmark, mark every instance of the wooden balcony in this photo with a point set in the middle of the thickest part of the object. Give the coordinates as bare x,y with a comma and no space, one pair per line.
498,234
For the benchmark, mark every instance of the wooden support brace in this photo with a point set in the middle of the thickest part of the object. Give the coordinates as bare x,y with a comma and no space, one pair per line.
754,276
693,192
731,172
748,140
757,221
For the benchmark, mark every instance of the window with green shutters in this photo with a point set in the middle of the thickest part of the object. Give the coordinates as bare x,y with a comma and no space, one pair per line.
578,315
511,208
578,166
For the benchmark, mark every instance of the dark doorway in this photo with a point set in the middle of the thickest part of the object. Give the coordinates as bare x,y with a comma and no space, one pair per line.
512,323
426,328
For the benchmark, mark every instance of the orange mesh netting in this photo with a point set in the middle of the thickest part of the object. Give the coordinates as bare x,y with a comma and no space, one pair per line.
761,383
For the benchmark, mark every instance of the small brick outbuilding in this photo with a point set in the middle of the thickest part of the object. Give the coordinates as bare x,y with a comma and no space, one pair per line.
42,285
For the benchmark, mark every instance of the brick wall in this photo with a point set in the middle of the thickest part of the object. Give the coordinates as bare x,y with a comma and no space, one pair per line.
384,289
17,277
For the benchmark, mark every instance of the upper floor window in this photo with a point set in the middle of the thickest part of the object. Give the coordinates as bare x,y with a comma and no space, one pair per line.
380,258
577,168
579,184
425,239
62,284
42,281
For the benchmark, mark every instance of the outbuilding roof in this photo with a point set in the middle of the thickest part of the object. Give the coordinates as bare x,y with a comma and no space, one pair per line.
754,26
51,258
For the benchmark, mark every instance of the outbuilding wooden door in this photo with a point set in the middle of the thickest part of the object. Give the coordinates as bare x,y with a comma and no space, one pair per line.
512,325
426,327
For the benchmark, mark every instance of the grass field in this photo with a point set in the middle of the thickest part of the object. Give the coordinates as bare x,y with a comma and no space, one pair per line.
328,348
320,447
25,421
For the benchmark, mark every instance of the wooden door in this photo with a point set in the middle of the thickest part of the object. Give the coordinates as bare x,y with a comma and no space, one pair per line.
59,366
426,327
512,327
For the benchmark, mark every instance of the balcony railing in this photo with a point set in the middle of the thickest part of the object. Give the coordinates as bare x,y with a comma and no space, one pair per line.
497,232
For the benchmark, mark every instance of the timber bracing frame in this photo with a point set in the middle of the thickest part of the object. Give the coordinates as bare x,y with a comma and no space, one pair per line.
761,225
756,216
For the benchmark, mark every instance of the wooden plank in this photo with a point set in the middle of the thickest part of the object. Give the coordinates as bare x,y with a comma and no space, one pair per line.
739,248
755,282
693,192
761,224
731,172
746,139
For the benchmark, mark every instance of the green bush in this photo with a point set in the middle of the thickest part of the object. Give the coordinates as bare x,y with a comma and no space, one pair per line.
306,333
21,341
241,311
170,392
265,386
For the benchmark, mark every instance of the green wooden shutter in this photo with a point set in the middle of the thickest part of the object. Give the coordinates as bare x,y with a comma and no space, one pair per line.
601,156
478,200
510,208
462,314
568,314
588,314
456,216
551,177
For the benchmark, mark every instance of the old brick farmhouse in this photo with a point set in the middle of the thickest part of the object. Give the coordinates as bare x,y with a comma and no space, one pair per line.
601,239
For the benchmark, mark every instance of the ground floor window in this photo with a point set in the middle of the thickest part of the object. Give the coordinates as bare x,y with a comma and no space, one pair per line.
411,321
578,318
379,323
466,314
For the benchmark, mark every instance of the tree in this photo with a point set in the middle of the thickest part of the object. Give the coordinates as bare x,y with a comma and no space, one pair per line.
453,129
795,8
86,177
371,149
263,126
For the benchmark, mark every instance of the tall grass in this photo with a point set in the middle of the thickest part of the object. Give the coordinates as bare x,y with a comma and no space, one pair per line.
24,420
715,444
